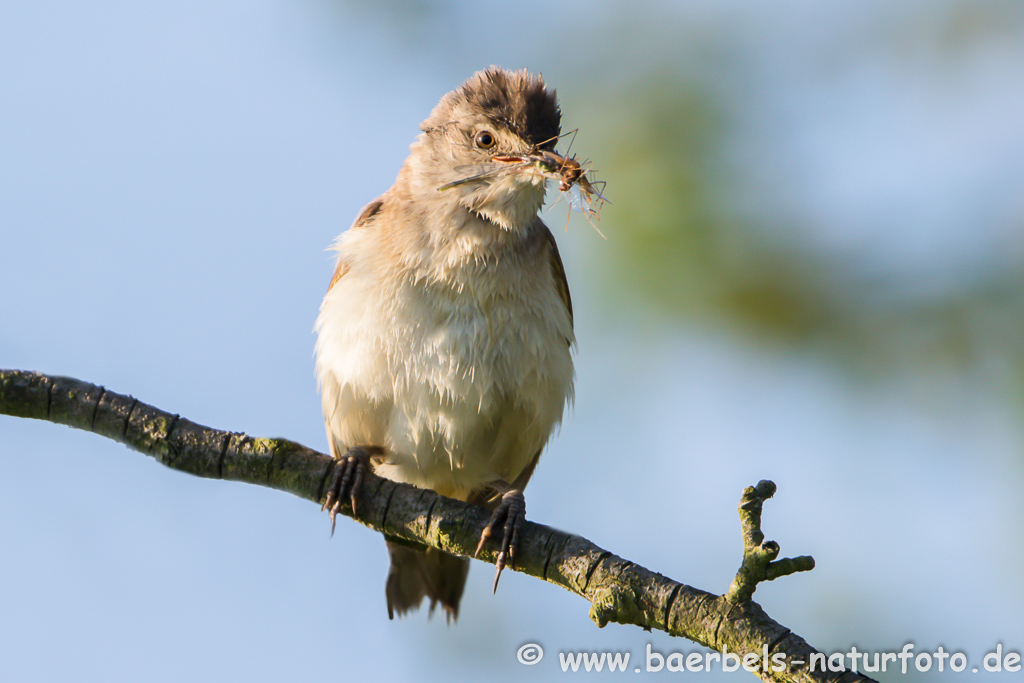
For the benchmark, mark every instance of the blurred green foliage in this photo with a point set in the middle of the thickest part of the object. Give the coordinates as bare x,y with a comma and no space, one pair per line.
682,243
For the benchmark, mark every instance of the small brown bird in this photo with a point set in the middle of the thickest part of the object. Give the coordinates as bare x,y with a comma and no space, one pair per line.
443,343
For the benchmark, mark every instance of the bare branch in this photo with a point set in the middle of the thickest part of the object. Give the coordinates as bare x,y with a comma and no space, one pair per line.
618,590
759,563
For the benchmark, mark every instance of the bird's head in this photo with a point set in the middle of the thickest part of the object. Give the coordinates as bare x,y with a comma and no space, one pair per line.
489,146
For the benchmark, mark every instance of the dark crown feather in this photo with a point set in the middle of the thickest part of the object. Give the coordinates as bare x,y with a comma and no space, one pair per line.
511,98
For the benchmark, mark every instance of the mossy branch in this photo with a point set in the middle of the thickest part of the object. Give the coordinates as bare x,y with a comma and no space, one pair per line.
619,591
759,563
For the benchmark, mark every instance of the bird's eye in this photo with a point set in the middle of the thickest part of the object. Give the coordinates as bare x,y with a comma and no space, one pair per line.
485,139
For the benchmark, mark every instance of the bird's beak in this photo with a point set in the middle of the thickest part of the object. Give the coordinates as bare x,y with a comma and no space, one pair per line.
553,165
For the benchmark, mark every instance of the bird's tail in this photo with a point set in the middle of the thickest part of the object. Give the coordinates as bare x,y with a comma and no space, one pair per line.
424,572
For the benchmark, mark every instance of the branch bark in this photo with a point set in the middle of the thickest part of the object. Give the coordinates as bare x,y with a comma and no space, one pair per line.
618,590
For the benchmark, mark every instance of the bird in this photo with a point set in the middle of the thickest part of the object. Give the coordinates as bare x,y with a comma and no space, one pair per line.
444,345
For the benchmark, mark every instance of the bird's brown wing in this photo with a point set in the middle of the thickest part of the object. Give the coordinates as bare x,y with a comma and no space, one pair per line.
364,218
558,273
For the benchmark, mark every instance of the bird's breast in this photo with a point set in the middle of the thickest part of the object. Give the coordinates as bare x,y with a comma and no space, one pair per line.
460,370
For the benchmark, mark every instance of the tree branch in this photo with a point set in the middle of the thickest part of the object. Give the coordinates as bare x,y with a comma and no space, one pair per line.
618,590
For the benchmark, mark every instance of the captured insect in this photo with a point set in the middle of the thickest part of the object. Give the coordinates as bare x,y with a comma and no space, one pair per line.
579,190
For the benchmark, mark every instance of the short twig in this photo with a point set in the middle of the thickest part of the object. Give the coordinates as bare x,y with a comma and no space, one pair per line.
759,563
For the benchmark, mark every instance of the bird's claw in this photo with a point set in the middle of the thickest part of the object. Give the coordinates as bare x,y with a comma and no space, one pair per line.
346,479
509,516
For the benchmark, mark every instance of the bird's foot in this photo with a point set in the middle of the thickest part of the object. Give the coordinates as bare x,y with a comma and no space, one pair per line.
346,478
507,519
